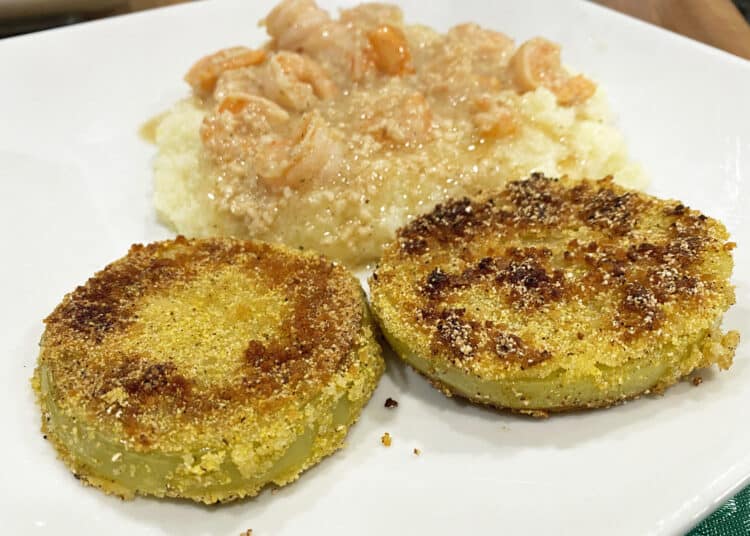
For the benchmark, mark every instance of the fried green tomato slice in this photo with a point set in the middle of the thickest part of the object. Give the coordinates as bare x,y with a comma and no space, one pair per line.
205,369
554,295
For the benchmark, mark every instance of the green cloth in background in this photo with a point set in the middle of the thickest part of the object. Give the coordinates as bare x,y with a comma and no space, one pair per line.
732,519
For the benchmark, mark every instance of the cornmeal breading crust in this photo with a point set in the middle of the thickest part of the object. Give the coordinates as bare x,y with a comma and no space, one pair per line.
557,294
205,369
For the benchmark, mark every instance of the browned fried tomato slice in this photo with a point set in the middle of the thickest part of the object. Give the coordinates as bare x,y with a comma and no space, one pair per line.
205,369
557,294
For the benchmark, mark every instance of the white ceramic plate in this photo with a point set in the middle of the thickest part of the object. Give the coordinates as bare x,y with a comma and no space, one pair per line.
75,188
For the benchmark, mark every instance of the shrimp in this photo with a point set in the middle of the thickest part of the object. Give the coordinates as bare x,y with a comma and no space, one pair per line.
291,23
315,155
203,76
537,63
398,120
391,50
258,135
307,154
483,45
296,82
239,81
371,15
493,119
229,132
575,90
467,60
301,26
291,80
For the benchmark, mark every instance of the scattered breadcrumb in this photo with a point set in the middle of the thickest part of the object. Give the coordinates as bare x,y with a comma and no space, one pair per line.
390,403
417,452
386,439
697,380
248,532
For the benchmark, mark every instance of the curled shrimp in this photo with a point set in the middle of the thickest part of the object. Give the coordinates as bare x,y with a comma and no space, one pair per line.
291,23
229,131
466,60
493,119
204,74
251,130
314,154
574,90
372,14
537,63
295,81
391,50
301,26
399,120
305,154
481,44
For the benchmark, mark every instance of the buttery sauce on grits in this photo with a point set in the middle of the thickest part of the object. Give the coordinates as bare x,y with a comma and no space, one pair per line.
340,130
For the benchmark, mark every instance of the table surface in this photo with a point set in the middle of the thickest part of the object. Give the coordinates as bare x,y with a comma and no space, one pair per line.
715,22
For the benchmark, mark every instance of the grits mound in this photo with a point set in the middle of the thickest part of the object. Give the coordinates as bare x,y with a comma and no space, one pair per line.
338,131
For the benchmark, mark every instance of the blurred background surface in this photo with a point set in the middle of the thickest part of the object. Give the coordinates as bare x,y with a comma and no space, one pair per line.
719,23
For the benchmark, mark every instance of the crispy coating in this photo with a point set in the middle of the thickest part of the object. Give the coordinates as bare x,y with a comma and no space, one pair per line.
557,294
210,359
